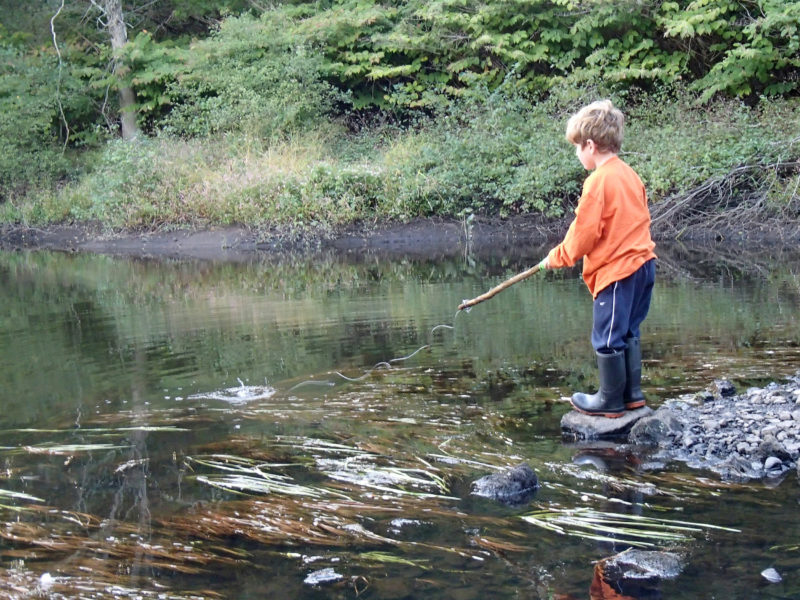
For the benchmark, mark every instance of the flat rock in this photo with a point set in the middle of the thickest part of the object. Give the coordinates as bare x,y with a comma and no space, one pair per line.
578,426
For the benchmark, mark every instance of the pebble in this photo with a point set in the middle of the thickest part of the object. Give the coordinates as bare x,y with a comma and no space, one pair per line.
771,575
45,581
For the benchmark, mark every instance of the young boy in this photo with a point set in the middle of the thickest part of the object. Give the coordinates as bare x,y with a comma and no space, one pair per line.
611,232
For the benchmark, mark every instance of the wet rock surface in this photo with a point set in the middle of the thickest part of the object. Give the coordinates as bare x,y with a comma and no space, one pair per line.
513,486
643,565
740,436
578,426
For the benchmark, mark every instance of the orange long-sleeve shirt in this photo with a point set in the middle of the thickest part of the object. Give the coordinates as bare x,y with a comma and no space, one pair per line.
611,229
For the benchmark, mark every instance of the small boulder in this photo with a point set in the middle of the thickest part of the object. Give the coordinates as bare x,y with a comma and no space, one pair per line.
770,446
513,486
724,388
322,577
647,565
662,426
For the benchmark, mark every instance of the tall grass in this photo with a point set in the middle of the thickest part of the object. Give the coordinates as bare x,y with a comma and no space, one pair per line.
498,155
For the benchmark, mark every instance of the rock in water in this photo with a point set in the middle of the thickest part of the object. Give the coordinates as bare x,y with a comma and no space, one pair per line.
724,388
578,426
659,427
513,486
641,565
322,576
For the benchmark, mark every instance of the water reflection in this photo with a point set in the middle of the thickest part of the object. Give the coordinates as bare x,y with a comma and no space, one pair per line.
234,428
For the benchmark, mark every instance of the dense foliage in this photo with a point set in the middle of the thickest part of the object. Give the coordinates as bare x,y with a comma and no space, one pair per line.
383,108
409,53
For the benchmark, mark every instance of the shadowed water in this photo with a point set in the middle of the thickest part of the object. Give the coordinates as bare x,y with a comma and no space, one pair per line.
309,428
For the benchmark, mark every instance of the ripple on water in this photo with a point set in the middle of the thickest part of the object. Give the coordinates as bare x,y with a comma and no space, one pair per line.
237,395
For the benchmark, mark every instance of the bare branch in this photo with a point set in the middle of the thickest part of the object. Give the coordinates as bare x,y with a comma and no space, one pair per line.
60,68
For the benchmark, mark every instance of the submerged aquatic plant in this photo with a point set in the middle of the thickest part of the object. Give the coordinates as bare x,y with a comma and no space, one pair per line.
18,496
250,476
63,449
633,530
387,479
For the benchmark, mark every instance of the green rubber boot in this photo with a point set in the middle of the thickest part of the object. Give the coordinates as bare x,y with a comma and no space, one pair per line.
633,396
607,402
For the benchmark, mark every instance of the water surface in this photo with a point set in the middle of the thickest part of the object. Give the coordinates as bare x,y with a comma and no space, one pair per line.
309,427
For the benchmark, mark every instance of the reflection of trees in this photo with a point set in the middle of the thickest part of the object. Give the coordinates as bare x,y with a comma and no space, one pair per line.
125,476
134,479
88,321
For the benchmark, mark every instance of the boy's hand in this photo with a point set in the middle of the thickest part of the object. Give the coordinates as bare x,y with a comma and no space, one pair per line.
544,264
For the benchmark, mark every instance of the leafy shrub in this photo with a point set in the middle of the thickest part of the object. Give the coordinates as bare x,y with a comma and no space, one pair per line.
250,77
412,53
501,155
31,156
675,145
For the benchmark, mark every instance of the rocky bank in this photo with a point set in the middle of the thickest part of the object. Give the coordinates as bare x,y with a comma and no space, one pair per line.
741,436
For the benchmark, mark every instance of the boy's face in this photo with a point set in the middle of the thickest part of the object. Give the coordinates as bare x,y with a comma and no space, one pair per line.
585,154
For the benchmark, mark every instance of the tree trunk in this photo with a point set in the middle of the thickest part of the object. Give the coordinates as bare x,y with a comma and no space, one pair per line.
119,37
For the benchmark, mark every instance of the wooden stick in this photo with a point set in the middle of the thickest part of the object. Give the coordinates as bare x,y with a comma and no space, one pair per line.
499,288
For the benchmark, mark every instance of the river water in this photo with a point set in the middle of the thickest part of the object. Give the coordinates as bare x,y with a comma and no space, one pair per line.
309,428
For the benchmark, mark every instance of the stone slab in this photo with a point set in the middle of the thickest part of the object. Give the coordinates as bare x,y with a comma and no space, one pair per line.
578,426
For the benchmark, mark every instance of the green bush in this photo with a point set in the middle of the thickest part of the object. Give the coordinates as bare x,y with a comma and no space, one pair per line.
29,136
675,146
496,154
250,76
500,155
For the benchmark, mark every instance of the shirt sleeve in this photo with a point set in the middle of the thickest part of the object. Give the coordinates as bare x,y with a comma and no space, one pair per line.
585,230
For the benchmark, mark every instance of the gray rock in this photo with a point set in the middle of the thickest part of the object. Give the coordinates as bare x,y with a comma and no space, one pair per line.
322,576
578,426
642,565
770,446
660,427
513,486
724,388
737,468
704,396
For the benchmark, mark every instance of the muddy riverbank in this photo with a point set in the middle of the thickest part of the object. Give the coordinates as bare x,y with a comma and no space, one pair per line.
430,237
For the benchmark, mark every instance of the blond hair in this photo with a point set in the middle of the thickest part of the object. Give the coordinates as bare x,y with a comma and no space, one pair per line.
600,122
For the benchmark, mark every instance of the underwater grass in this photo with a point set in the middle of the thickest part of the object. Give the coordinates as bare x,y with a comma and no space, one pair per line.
90,431
19,496
63,449
93,547
249,476
634,530
386,558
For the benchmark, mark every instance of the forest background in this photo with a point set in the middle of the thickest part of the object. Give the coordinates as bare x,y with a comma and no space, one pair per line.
311,115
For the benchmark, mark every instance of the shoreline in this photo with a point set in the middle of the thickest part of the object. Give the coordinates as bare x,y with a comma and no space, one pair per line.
423,237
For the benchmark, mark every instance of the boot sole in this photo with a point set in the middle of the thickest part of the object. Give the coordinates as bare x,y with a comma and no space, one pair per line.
634,405
608,415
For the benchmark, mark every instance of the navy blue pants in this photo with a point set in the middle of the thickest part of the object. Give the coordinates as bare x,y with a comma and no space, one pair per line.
621,307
